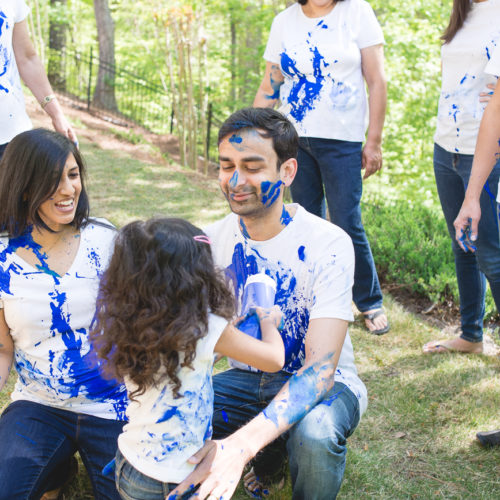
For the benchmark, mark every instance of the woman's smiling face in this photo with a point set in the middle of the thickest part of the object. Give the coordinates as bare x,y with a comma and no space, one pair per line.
60,208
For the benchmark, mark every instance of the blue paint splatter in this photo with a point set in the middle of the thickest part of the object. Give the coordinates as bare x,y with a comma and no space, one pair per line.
488,54
304,93
236,140
285,217
302,253
270,192
234,179
224,416
244,231
302,395
246,261
27,438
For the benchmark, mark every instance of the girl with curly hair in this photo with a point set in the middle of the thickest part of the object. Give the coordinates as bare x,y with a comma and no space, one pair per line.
162,311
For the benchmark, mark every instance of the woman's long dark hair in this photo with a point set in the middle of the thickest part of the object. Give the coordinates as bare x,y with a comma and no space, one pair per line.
154,301
30,171
459,13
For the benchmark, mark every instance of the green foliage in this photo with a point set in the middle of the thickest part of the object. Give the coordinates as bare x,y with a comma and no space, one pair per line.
412,247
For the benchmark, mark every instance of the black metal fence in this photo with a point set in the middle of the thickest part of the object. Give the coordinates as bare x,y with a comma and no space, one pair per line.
137,98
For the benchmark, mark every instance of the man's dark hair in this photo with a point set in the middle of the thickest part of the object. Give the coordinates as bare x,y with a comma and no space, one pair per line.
303,2
271,124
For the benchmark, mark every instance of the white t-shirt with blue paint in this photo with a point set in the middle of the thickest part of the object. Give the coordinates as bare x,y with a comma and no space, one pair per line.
463,78
163,431
312,262
13,117
323,93
49,317
493,66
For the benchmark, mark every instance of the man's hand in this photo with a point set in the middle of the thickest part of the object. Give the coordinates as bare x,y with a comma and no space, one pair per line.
219,468
371,160
466,224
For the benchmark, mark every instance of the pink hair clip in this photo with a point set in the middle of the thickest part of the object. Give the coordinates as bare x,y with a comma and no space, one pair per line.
202,239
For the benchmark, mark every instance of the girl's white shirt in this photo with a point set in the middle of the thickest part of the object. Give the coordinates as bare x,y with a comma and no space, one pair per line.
164,431
464,60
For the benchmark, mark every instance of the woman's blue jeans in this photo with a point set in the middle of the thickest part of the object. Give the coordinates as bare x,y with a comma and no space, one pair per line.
332,168
316,445
36,441
452,171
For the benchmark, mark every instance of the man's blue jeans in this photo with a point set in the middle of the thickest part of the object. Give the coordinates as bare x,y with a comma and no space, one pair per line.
37,440
332,168
316,445
452,171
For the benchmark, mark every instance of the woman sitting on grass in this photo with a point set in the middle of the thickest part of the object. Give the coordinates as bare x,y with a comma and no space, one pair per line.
51,258
163,310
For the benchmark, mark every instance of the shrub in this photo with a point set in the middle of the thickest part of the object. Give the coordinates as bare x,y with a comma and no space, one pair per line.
411,247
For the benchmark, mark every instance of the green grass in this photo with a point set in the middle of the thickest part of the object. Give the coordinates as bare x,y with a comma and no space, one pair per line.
417,438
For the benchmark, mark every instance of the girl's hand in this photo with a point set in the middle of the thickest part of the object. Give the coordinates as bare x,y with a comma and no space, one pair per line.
486,96
272,315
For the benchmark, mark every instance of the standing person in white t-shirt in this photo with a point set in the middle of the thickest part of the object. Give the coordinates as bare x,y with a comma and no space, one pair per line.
18,58
487,154
163,310
318,57
469,43
314,404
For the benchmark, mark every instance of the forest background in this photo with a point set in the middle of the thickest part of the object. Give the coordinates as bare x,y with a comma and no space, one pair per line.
205,56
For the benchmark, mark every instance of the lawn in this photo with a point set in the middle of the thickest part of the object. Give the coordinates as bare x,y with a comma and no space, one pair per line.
417,438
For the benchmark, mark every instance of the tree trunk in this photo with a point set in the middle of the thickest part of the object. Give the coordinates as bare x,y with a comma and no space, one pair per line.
104,95
57,44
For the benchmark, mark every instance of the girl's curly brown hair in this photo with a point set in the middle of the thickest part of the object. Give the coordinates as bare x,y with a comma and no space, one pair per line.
154,301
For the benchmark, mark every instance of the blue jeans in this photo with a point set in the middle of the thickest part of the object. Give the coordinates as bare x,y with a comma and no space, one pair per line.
37,440
134,485
316,445
452,171
333,168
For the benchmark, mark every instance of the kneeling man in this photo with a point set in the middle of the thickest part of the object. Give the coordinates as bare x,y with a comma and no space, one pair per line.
316,401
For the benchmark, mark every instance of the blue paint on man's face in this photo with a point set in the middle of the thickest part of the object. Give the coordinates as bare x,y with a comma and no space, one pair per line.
270,192
234,179
236,141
